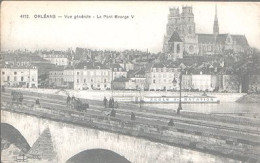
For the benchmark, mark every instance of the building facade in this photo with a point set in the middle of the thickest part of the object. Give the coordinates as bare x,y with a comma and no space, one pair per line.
93,76
56,78
68,77
161,76
118,71
138,77
57,58
19,76
123,83
204,82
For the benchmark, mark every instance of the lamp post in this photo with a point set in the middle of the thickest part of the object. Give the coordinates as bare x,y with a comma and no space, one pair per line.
140,102
174,83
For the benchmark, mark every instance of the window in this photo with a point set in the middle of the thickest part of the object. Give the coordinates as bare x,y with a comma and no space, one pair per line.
15,73
3,73
77,73
153,81
105,80
105,85
8,78
15,78
33,79
190,30
77,80
84,80
178,48
22,78
91,80
98,85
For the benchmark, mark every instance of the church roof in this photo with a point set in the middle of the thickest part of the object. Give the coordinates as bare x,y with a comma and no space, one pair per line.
221,38
175,37
240,39
90,65
206,38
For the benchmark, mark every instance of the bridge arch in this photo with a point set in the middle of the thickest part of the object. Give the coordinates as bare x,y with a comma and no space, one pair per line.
97,156
10,135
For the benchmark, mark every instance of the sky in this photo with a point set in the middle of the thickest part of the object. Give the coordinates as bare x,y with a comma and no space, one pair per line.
144,31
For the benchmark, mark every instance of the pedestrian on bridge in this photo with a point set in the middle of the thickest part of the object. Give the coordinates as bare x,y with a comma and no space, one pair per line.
105,102
132,116
171,123
110,103
68,100
113,102
20,97
37,102
73,98
116,105
113,113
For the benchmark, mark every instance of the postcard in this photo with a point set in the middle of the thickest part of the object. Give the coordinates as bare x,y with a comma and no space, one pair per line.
129,81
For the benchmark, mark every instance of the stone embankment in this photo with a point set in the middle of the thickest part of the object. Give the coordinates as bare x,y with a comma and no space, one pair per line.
128,95
249,98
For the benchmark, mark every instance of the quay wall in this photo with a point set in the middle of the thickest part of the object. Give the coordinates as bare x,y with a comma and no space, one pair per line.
99,94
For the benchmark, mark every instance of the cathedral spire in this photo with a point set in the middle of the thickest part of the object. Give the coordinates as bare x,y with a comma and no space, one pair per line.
215,27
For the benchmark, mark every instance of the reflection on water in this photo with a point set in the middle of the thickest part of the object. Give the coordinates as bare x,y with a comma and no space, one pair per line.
229,107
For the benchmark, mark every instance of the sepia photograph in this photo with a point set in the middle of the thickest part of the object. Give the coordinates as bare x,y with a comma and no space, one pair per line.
130,82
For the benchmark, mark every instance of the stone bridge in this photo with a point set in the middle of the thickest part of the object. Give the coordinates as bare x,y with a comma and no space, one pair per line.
68,140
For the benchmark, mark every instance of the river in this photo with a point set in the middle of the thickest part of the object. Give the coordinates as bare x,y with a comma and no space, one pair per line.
225,107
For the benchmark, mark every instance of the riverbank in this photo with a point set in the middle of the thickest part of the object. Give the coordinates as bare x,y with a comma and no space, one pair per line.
249,98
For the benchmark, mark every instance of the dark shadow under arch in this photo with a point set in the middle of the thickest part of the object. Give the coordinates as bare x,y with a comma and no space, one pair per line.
10,135
97,156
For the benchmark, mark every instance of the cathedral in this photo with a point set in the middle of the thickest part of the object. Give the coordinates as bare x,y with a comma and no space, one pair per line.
181,39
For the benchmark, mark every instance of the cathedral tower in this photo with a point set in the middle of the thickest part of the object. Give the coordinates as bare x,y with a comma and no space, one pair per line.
172,25
188,33
215,27
187,21
182,23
